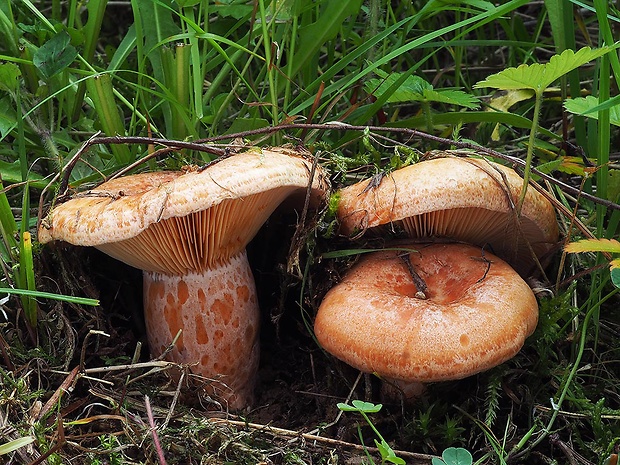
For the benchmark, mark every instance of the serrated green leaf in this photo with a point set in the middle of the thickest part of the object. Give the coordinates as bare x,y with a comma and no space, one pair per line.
539,76
584,105
416,89
55,55
593,245
452,97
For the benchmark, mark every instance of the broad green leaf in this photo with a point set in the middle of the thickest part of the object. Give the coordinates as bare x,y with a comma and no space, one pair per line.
584,105
454,456
613,185
539,76
416,89
8,116
593,245
9,77
11,173
55,55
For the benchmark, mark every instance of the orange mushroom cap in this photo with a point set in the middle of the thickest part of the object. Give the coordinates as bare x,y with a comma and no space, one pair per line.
187,231
175,221
477,314
464,199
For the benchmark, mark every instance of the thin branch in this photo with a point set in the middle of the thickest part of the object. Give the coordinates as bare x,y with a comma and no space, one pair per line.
338,126
415,457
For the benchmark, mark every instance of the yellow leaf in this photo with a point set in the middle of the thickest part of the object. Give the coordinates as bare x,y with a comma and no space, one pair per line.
593,245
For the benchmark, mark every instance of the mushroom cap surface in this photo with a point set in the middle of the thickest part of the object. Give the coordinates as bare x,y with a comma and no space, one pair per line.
172,222
477,314
465,199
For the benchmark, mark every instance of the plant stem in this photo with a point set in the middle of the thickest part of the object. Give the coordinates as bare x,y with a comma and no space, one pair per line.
269,60
530,149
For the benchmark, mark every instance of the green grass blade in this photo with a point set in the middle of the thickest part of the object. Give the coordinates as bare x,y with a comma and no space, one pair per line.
8,227
49,295
313,36
26,273
15,444
349,80
96,11
102,94
176,67
125,48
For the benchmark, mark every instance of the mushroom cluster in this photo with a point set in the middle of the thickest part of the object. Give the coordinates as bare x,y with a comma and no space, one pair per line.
188,231
451,301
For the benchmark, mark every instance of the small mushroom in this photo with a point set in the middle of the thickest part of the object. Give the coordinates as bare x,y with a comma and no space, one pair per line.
477,314
188,231
462,199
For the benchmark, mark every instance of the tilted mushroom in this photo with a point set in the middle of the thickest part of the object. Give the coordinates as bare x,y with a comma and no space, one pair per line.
444,200
463,199
477,313
188,231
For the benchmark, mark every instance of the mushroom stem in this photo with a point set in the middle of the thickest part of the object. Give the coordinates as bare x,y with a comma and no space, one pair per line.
396,390
217,310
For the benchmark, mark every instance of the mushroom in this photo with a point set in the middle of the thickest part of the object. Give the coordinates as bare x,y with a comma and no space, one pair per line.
477,313
188,231
374,320
463,199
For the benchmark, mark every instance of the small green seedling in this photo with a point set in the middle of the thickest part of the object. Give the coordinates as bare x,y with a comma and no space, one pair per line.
538,77
454,456
600,245
364,408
